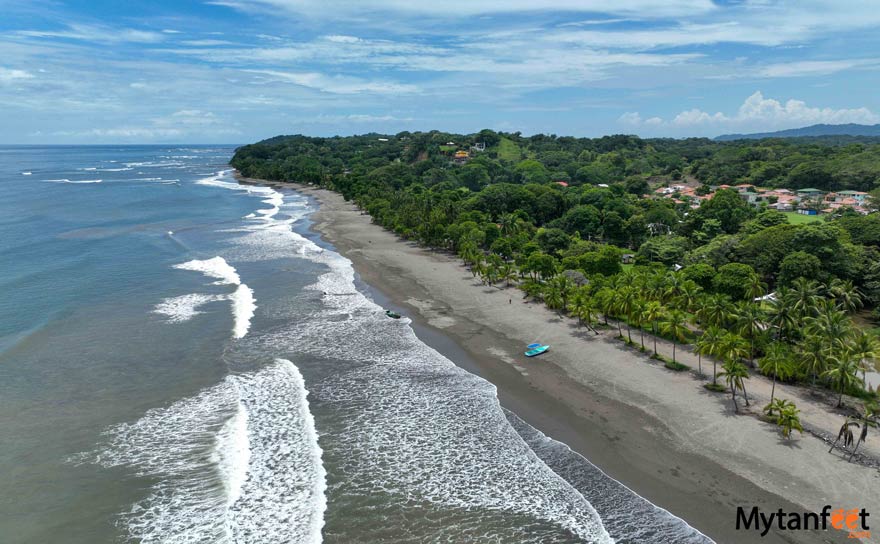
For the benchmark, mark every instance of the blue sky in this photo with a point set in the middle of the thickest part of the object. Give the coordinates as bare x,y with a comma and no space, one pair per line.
102,71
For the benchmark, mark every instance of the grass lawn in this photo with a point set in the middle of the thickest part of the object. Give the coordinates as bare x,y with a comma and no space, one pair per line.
799,219
509,151
447,148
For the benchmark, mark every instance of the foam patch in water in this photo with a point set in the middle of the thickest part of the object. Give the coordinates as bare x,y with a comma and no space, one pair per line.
214,268
184,307
237,463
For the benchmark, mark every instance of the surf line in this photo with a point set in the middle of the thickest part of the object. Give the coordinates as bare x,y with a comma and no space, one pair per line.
243,302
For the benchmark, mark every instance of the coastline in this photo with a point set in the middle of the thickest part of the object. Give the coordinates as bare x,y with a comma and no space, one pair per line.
604,401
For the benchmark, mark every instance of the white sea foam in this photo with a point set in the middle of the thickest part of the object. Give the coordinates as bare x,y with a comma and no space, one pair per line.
214,268
233,454
184,307
27,173
243,307
242,299
237,463
89,169
113,169
150,164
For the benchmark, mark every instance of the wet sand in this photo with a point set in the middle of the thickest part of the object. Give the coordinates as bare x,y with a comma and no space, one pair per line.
658,432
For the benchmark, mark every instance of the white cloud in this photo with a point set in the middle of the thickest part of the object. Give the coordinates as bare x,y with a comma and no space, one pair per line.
366,118
758,108
190,118
11,75
630,118
343,39
123,132
97,34
206,43
815,67
759,113
468,8
334,84
698,117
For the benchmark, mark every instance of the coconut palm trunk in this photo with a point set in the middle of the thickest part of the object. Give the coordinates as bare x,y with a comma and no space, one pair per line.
733,396
862,437
654,330
773,389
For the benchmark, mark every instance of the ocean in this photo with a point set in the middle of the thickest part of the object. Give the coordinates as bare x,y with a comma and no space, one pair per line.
183,360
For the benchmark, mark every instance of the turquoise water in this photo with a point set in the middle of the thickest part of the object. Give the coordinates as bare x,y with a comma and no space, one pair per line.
182,360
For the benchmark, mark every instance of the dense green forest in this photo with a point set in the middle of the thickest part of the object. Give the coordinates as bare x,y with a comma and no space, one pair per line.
599,243
506,199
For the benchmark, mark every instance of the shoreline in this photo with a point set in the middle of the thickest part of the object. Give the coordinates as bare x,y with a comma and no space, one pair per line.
636,443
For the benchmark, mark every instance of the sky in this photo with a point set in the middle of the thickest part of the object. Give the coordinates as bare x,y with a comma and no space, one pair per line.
237,71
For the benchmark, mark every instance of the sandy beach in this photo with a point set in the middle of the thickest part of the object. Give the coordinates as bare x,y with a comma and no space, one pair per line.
657,431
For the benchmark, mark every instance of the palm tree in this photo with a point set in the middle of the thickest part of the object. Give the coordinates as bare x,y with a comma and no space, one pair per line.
866,349
867,421
777,405
843,372
565,285
532,288
714,310
777,361
780,314
507,273
655,286
688,295
750,324
625,306
637,315
578,300
711,343
605,299
653,314
674,326
734,373
733,348
755,287
553,297
788,420
829,323
509,224
846,296
812,356
673,283
804,298
845,433
586,314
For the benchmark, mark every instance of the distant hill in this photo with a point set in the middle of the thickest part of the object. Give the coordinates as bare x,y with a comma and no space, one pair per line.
812,131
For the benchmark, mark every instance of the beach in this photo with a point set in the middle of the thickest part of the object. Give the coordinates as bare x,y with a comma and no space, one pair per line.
656,431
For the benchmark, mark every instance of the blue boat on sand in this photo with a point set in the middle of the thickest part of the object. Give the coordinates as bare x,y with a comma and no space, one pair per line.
536,351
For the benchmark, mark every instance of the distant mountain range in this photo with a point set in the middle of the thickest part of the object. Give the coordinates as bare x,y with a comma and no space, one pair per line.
850,129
